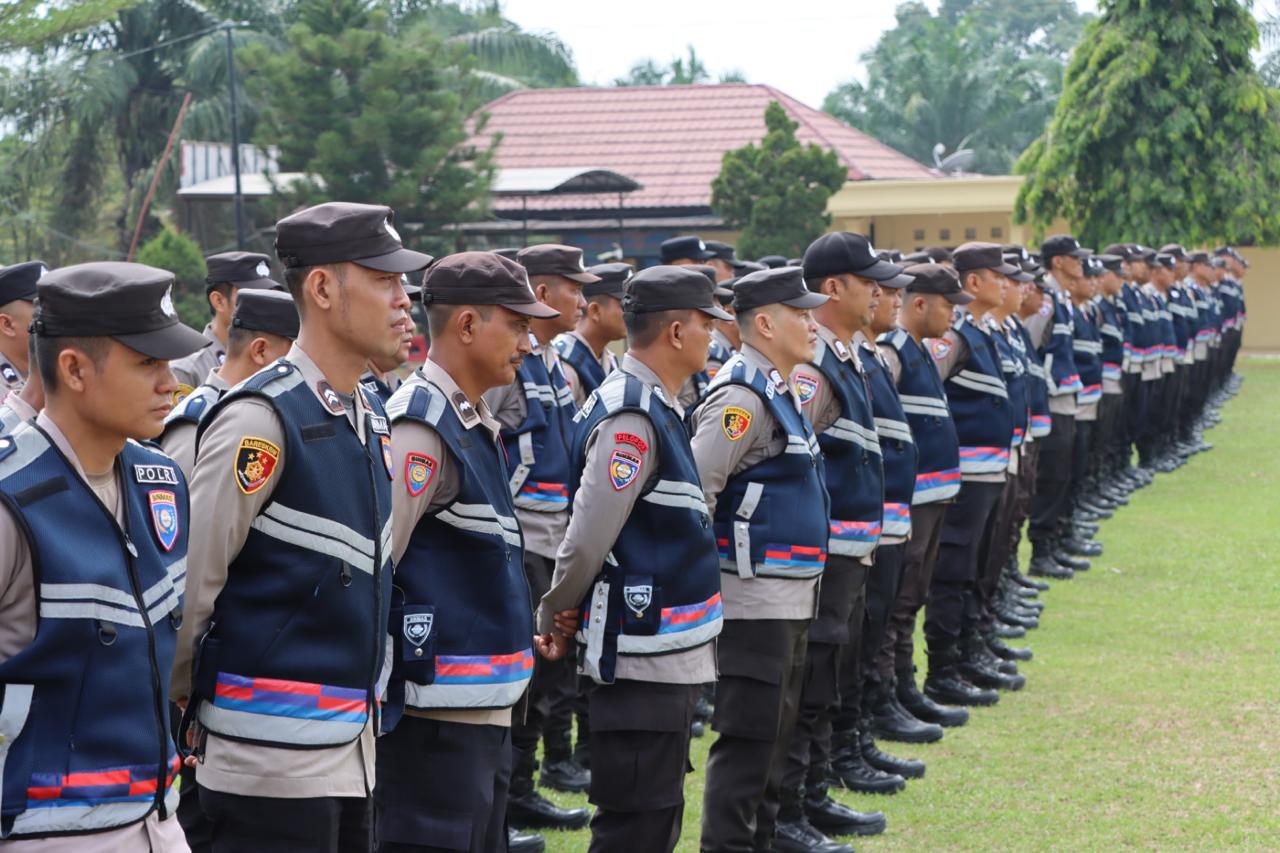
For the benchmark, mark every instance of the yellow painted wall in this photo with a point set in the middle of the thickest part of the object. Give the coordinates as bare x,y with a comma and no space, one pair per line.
1262,332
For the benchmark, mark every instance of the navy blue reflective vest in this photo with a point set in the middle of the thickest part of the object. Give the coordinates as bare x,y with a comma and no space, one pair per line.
1136,334
717,355
1088,353
194,406
979,401
376,387
461,621
1201,300
84,709
772,519
659,589
1166,344
1059,352
1013,365
1039,420
582,360
897,447
298,638
538,448
1154,347
851,451
1111,327
924,401
1183,310
9,419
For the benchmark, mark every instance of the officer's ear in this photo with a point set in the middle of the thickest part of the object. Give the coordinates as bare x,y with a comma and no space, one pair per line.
258,351
8,326
322,284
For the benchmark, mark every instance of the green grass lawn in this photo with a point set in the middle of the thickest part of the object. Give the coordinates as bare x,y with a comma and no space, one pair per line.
1151,715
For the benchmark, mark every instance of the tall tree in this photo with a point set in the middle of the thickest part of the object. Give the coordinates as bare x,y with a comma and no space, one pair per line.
29,23
373,115
777,191
981,74
1164,131
682,70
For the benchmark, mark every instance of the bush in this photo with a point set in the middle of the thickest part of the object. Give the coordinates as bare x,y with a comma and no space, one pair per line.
180,255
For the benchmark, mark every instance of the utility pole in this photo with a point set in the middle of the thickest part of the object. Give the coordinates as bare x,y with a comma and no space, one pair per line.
235,135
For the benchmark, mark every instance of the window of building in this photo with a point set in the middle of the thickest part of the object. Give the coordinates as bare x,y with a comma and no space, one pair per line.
971,233
918,234
944,234
997,233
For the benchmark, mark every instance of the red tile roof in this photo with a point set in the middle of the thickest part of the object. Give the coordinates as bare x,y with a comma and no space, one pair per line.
669,138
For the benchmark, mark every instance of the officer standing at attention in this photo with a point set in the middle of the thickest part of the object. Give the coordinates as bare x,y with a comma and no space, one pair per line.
228,274
25,403
263,329
17,290
761,471
640,560
585,356
443,770
88,622
536,411
284,637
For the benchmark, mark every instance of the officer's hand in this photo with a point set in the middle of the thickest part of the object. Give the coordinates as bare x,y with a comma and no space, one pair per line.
566,622
551,646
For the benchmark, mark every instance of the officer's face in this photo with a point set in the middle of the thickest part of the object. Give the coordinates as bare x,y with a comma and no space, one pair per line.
886,310
371,306
938,312
724,272
501,342
610,317
695,335
564,295
128,394
795,332
1031,301
989,291
386,365
1012,297
859,297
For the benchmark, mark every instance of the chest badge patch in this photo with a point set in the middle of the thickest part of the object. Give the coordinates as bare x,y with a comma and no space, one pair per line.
624,467
255,463
735,421
940,348
385,441
806,385
419,470
417,627
164,516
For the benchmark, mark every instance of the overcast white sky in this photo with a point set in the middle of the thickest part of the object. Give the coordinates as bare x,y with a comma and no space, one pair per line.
803,47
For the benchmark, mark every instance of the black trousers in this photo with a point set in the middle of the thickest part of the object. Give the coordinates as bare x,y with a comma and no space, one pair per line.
1149,435
280,825
442,786
921,551
966,535
1136,393
1080,449
883,585
640,755
997,553
1053,481
548,704
762,663
1103,457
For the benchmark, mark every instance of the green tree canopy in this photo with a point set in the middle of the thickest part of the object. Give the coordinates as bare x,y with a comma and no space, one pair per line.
980,74
180,255
28,23
679,71
777,191
1164,131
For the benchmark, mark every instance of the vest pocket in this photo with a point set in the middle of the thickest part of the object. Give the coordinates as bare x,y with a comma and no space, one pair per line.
417,639
641,606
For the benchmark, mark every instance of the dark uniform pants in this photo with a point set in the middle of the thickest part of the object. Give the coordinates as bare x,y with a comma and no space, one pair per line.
548,709
966,536
1135,413
919,555
640,755
1053,480
279,825
1002,532
442,786
762,663
1080,460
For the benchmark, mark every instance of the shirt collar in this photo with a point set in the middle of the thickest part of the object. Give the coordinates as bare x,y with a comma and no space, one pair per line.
760,362
833,342
19,406
319,385
468,413
637,368
214,380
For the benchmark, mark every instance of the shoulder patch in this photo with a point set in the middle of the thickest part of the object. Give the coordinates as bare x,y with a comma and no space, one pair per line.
183,392
160,474
385,441
735,421
10,374
255,463
624,467
940,348
419,471
632,439
164,516
806,385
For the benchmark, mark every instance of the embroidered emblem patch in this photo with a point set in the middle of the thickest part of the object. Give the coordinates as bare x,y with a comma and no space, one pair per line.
806,385
161,474
385,441
164,516
634,440
842,350
332,401
419,469
638,598
623,469
940,347
255,463
735,422
183,392
712,370
10,374
417,627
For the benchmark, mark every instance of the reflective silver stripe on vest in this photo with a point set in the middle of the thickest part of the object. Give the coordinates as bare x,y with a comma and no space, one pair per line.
595,639
502,695
855,433
797,444
228,721
1063,329
481,518
677,494
888,428
96,601
676,641
846,548
541,393
975,381
1036,370
321,535
928,406
1093,347
742,531
13,719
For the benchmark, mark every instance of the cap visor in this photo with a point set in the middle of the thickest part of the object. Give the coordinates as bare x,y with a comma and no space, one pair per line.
414,292
1008,269
581,277
960,297
1080,253
401,260
257,284
898,281
1022,276
808,300
879,271
536,310
713,311
167,344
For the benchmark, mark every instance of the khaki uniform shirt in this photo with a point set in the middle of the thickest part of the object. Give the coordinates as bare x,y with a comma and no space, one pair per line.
11,378
192,369
608,362
14,403
543,531
179,438
598,515
406,510
18,630
720,457
231,766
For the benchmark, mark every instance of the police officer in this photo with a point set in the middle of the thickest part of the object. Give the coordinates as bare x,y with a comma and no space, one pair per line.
968,360
536,411
85,651
760,466
17,291
23,404
228,274
263,329
443,771
640,560
284,635
684,250
1086,346
1107,463
585,356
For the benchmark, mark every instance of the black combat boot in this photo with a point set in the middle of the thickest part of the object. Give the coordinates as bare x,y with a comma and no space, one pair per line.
837,819
853,772
891,721
907,768
947,685
922,707
977,666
